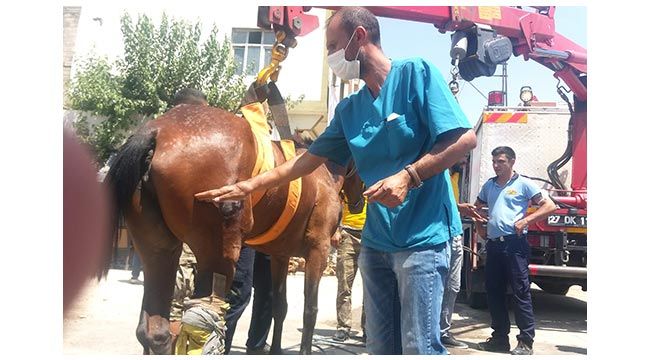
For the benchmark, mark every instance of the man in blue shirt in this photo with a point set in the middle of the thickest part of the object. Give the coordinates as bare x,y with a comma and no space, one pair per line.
507,196
403,129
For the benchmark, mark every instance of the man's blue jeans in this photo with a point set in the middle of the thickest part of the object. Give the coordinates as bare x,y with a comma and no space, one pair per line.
403,296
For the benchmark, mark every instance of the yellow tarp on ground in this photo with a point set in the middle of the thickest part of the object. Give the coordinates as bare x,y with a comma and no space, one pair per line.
191,340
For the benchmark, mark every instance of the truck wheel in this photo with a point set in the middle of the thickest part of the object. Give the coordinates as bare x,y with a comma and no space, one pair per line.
477,300
554,288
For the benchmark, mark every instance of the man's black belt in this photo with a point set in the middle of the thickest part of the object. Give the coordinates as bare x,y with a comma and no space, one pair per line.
503,238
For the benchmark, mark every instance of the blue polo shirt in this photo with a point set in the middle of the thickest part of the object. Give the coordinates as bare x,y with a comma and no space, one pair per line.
385,134
507,203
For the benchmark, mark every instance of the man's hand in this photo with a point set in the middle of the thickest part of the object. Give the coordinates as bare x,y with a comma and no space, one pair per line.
239,191
520,225
390,191
336,239
469,210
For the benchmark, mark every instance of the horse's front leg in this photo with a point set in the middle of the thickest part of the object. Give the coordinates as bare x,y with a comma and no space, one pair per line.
314,266
279,269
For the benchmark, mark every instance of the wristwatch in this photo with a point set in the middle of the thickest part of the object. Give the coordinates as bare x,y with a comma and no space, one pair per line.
417,182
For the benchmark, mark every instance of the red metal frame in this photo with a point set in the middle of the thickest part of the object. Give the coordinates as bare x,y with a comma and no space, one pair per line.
291,18
532,34
527,30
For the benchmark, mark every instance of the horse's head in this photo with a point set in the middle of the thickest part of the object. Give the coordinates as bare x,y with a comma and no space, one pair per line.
353,188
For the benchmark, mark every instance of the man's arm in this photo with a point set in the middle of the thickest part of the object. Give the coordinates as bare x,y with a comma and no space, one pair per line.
450,147
290,170
469,210
546,206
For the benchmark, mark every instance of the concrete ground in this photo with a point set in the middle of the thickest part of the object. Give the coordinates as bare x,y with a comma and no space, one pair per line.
104,318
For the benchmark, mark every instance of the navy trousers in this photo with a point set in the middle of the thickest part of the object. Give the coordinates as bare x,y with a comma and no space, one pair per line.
507,264
262,315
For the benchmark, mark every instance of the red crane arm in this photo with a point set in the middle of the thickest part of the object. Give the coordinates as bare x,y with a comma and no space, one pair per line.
532,33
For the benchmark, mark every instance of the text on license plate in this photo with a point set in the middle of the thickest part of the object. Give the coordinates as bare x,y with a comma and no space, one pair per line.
567,220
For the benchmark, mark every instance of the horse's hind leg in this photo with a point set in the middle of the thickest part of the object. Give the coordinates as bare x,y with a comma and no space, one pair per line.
314,266
141,330
159,251
279,269
158,292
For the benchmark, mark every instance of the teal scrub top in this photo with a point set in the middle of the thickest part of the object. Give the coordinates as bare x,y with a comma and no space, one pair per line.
383,135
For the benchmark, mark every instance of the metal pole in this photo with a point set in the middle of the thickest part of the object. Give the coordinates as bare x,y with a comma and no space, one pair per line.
504,82
558,271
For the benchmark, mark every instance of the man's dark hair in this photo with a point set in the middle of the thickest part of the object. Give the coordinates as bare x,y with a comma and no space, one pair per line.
351,17
189,96
510,154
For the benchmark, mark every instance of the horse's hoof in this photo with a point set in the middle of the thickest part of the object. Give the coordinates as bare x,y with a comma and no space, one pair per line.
276,352
161,343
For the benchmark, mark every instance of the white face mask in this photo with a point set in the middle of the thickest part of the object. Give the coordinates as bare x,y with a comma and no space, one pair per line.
343,68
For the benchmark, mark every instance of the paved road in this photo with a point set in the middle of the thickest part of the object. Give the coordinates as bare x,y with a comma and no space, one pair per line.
104,318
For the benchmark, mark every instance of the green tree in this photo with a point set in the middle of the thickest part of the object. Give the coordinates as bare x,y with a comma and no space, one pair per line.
157,62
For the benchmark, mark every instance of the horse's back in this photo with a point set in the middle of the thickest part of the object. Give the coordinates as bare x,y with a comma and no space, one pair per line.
190,131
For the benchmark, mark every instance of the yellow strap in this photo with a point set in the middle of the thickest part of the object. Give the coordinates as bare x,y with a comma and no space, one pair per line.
256,117
291,206
254,114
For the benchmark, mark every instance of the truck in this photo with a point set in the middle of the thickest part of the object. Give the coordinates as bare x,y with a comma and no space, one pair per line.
482,38
559,243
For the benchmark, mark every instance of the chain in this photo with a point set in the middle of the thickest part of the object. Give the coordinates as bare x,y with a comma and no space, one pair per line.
453,84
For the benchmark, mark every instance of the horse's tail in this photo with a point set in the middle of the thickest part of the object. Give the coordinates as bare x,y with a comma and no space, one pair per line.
127,169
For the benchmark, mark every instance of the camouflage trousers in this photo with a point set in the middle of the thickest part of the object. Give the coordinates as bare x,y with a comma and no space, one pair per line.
347,257
184,286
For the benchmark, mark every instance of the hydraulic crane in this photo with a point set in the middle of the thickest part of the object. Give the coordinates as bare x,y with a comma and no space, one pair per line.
484,36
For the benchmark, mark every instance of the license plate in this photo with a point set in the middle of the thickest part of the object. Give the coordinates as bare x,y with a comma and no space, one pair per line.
567,220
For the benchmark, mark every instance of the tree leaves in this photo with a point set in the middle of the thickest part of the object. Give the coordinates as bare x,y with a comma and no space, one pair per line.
158,61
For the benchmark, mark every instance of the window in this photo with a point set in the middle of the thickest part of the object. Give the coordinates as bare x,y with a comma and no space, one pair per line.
252,49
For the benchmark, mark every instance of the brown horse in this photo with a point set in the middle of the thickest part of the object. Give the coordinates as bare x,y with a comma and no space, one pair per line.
192,148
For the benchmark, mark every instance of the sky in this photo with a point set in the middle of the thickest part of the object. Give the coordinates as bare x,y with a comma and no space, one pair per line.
401,39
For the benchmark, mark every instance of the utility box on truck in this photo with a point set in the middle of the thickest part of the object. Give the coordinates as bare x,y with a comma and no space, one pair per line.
539,136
